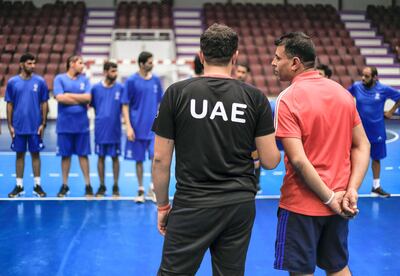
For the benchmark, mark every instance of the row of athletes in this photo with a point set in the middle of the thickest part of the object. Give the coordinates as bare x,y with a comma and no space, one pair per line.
137,100
139,109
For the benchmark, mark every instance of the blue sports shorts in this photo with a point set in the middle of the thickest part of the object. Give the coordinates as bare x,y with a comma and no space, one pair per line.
20,142
73,143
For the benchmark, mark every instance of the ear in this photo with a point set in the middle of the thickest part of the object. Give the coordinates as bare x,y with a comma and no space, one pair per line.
296,64
201,56
235,57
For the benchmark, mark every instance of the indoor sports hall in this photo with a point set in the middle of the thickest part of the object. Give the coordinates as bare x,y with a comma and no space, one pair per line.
77,235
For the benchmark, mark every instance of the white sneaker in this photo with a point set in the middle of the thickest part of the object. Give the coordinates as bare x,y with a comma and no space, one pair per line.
140,197
152,195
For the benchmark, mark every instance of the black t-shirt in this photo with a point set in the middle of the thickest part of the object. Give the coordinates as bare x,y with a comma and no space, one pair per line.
213,122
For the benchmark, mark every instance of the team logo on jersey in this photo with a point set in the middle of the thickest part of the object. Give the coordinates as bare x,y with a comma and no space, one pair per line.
35,87
219,110
377,96
155,88
117,95
82,86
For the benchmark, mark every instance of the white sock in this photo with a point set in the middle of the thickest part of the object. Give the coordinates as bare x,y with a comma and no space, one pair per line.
376,183
141,188
36,180
19,182
152,186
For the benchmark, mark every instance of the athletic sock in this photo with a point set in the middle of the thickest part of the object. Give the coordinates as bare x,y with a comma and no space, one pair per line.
36,180
376,183
19,182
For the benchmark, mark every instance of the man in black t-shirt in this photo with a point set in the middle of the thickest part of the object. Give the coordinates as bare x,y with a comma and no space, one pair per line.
214,122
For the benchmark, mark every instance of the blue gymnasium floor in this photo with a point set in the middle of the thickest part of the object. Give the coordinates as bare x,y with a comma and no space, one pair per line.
119,237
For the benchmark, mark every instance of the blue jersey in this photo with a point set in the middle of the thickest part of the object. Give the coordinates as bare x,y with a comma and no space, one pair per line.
370,106
26,97
72,118
143,97
107,105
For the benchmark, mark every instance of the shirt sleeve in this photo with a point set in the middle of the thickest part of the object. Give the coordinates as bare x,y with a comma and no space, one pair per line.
287,125
352,89
392,93
58,87
125,97
265,123
88,86
160,91
44,92
9,96
164,123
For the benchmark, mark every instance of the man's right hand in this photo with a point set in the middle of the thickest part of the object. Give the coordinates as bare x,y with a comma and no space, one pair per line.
130,134
336,204
12,131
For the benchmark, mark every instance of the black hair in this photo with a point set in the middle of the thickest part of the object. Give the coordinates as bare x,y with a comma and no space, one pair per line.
144,56
218,44
25,57
326,69
298,44
108,65
72,58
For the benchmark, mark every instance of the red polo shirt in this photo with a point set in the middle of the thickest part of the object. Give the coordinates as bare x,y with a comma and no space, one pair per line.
322,114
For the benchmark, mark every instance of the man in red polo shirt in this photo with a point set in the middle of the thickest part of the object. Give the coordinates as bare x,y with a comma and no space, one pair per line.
326,158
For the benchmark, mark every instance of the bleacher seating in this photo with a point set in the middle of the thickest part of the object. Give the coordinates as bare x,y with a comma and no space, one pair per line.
144,15
258,25
51,33
387,21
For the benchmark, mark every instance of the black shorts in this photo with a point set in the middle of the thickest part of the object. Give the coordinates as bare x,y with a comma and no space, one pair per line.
302,242
225,230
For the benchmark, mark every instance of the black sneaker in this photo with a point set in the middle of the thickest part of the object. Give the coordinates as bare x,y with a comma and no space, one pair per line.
38,191
101,191
17,191
115,190
88,191
379,192
64,190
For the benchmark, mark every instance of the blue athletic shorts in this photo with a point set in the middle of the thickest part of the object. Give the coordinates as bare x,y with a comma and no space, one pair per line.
378,150
34,142
73,143
302,242
136,150
112,150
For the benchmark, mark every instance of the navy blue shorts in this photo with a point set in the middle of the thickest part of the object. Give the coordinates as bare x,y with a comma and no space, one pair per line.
20,142
303,242
112,150
378,150
73,143
136,150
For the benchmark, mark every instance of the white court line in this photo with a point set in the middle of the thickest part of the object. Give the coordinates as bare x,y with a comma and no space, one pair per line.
395,138
129,198
389,168
11,153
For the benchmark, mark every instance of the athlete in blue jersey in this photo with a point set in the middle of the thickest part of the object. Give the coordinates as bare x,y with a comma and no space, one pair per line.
106,101
140,98
72,91
26,97
371,96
